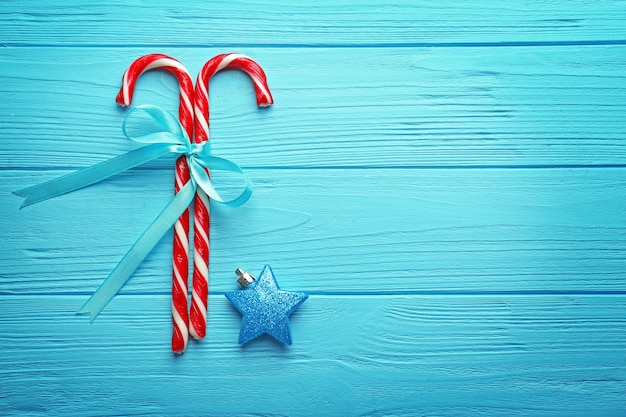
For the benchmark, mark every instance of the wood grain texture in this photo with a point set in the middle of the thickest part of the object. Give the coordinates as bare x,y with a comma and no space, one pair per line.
404,230
365,356
442,106
308,23
445,179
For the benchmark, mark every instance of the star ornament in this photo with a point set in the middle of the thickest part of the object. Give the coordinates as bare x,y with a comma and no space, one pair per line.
264,306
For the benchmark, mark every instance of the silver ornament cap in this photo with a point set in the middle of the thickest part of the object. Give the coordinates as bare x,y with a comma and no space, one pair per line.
245,278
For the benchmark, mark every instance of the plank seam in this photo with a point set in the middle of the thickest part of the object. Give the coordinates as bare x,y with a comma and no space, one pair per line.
433,293
603,42
350,167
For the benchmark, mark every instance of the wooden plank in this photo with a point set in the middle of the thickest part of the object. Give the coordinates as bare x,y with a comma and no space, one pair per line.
199,23
352,355
402,107
330,231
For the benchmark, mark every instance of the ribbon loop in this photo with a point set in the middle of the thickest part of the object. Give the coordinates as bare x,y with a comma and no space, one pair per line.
172,138
172,131
202,160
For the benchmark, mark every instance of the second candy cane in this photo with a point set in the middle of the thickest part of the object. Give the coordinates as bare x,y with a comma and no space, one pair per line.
198,312
180,271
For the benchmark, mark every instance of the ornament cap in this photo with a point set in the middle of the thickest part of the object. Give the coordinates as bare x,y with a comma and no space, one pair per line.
245,278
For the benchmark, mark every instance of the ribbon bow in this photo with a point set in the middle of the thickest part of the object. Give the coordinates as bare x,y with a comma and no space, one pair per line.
171,139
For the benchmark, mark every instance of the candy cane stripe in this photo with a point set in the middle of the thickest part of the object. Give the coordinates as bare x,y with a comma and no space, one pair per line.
200,263
163,63
197,299
201,120
203,235
226,60
182,235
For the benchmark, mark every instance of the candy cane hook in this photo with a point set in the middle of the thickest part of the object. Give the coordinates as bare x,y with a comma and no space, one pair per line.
180,272
199,298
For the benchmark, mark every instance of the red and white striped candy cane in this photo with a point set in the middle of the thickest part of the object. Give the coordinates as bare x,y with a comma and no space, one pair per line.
198,312
180,273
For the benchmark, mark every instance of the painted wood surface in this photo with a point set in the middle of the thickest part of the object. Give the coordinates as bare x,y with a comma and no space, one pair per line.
320,23
380,230
478,106
446,180
355,355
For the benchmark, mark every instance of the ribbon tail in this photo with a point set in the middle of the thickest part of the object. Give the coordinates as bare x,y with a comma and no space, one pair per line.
144,245
91,175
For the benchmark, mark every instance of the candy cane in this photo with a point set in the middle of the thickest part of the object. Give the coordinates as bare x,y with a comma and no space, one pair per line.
198,312
180,272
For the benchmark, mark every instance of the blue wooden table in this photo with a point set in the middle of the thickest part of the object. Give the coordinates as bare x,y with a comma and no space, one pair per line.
446,180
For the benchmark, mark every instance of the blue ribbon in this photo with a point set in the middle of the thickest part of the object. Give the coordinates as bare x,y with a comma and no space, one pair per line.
172,139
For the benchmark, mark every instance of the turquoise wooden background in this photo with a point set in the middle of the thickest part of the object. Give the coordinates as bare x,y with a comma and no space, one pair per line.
445,179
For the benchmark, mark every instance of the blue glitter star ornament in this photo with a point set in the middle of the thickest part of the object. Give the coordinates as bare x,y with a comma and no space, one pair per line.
264,306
